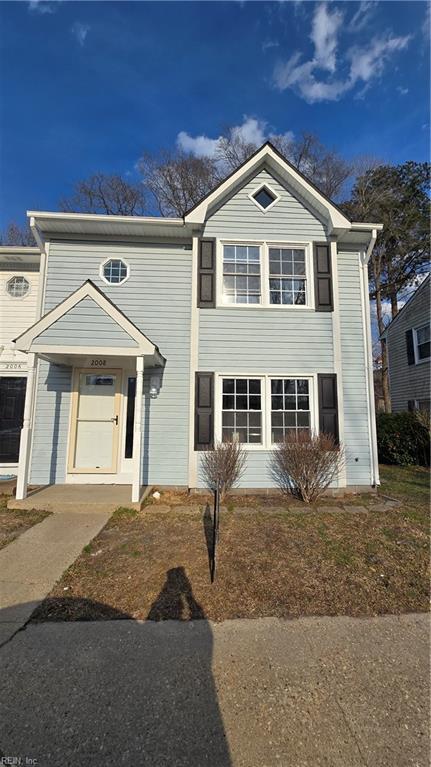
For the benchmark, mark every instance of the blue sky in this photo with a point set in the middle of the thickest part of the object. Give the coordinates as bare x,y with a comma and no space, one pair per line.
89,86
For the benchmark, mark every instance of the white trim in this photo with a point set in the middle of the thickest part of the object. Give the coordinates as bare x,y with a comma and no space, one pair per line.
25,340
266,445
46,214
88,351
416,345
137,431
114,284
369,376
264,185
266,153
264,246
43,273
194,362
338,366
26,431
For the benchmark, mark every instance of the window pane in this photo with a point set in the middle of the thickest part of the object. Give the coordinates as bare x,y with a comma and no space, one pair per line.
228,385
289,265
290,410
241,402
228,402
254,386
228,419
264,197
423,334
424,351
241,386
241,274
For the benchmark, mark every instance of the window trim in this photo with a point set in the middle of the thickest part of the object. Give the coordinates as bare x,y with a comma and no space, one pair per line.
266,445
416,345
264,185
102,276
264,246
18,298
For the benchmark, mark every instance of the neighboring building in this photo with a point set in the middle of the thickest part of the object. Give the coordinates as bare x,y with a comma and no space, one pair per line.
19,287
246,318
408,342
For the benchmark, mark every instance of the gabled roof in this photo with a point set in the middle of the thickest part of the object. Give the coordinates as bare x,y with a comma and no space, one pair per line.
88,290
408,303
269,156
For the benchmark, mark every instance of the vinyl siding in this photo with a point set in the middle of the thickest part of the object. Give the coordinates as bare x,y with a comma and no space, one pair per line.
51,424
156,298
17,314
353,358
408,382
86,324
239,217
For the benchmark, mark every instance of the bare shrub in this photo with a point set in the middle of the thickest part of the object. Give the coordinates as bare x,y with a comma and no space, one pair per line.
305,464
223,467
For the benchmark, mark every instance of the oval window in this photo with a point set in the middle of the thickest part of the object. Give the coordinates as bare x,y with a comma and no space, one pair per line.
17,287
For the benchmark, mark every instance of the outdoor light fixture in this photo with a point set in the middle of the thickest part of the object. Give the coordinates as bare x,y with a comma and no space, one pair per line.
155,382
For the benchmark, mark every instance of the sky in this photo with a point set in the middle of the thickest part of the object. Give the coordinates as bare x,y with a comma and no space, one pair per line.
87,87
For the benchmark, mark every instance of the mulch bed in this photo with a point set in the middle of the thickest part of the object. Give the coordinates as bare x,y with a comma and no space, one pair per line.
15,522
152,565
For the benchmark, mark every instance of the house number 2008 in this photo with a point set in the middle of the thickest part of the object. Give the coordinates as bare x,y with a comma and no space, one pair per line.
98,363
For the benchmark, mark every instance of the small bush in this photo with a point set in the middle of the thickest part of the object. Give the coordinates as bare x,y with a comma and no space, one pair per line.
305,464
223,467
403,439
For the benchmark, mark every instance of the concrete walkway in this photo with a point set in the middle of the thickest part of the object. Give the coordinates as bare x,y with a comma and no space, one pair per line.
80,498
31,564
314,692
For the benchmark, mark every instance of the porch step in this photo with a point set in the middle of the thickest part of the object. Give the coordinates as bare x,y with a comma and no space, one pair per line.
80,498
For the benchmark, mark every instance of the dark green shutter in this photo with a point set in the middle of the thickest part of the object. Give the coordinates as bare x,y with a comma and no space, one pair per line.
328,405
410,347
204,411
206,274
323,278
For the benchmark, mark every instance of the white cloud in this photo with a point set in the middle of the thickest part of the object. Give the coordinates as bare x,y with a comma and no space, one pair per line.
200,146
324,31
269,44
80,31
252,131
41,6
363,65
362,16
402,91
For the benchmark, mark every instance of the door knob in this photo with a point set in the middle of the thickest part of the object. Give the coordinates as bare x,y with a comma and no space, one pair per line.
115,420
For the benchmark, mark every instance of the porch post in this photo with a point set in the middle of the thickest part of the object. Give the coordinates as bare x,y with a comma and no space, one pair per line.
137,431
26,431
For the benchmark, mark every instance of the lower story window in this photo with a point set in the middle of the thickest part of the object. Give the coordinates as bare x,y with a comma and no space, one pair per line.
242,410
290,406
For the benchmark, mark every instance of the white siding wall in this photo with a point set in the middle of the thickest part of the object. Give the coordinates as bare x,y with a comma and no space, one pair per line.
17,314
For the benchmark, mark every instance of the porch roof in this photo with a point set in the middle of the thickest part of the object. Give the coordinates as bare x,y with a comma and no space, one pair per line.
87,323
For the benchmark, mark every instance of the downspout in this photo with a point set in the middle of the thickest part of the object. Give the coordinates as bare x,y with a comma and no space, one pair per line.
375,480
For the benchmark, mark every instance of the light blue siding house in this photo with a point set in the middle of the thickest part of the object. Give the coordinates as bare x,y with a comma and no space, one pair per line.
156,337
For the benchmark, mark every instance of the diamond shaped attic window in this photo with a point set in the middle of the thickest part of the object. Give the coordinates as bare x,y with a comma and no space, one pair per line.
264,197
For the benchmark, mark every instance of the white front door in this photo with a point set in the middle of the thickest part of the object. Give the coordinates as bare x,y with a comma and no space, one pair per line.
95,422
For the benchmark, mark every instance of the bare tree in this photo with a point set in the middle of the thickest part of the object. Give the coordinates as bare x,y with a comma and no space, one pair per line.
177,180
18,235
108,194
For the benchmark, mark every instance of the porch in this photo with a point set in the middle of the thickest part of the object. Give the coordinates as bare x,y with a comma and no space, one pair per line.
79,498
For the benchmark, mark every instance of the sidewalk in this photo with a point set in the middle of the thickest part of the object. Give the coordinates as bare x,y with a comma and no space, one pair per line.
31,565
312,692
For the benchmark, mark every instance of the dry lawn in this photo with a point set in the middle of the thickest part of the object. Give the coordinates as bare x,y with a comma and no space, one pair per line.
13,523
286,564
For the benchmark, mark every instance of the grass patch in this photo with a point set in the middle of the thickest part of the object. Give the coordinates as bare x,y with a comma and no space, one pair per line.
283,564
14,522
124,513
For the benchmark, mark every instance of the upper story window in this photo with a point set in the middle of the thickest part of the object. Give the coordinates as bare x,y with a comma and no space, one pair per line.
241,274
114,271
264,197
422,343
18,286
287,276
265,274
